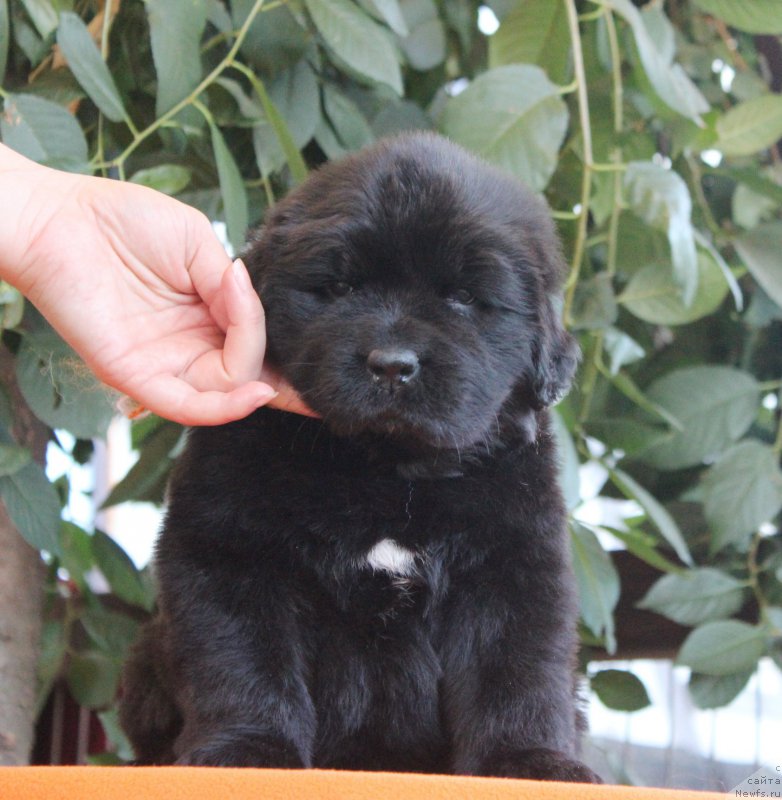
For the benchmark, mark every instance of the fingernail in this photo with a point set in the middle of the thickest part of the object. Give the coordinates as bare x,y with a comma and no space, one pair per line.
242,276
266,395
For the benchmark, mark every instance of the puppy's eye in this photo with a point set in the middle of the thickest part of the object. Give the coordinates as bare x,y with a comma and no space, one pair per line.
461,297
338,289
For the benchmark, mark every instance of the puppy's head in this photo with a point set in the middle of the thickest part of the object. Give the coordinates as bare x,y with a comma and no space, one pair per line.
408,292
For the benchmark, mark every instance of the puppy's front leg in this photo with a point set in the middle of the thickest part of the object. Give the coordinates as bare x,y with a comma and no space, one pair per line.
508,688
242,674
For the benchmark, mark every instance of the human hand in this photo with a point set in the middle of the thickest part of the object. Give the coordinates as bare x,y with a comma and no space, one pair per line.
138,284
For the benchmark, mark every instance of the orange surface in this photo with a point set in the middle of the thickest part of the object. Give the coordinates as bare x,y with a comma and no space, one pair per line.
208,783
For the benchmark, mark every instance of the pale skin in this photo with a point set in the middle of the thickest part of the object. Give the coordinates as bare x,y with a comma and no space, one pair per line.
139,285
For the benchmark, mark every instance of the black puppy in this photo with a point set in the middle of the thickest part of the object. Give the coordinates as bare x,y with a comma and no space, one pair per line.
387,587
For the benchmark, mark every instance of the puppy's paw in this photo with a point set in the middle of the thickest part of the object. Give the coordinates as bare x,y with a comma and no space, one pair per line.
539,764
233,748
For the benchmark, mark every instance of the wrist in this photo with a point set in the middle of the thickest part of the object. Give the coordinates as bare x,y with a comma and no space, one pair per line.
28,198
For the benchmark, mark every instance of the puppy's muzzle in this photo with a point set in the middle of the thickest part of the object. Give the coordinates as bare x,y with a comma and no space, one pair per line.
392,368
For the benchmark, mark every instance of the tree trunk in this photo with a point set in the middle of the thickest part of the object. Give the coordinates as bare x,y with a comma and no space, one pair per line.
21,598
22,576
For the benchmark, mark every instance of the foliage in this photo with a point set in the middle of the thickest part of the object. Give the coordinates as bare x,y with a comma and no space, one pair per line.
652,131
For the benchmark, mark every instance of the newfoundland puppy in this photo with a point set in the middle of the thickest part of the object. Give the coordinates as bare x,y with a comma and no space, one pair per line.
387,586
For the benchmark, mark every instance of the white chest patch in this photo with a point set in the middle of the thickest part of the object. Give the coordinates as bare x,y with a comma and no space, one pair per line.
390,557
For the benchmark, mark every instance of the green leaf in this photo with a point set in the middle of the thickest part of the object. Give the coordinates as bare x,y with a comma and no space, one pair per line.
59,389
621,348
638,244
669,80
759,250
598,583
120,571
351,128
774,617
175,28
294,93
723,648
707,245
758,181
661,198
44,132
76,555
85,62
594,304
250,109
121,747
34,507
653,296
750,127
147,475
659,517
43,15
626,434
7,417
277,38
620,690
297,91
34,48
5,37
50,660
625,384
390,12
644,546
219,16
569,464
399,116
753,16
749,209
231,189
696,596
425,44
327,140
741,491
660,30
13,458
112,633
534,32
715,405
356,41
762,311
143,429
715,691
93,679
514,117
167,178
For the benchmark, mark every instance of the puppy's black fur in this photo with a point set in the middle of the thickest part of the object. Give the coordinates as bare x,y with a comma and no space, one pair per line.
387,587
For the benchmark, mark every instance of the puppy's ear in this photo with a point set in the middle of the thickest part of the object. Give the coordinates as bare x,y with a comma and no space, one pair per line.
253,253
555,353
555,359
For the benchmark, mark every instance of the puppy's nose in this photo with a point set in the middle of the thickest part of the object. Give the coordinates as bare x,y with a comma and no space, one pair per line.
393,367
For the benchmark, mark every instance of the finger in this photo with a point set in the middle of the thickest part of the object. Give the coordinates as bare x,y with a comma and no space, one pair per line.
245,334
206,267
175,399
287,398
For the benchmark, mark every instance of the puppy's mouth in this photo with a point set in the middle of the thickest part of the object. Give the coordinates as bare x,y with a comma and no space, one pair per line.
407,396
409,422
390,397
383,416
396,424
